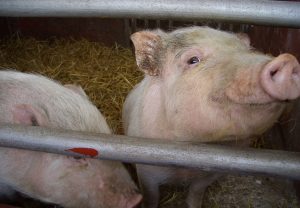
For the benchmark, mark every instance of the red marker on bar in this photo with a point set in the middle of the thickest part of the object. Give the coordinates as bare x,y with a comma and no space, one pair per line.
84,151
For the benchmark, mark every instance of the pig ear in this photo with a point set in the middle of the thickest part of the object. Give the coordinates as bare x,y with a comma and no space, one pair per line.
77,89
29,115
244,37
147,49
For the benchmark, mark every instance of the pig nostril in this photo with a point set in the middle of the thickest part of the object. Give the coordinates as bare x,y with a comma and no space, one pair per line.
272,73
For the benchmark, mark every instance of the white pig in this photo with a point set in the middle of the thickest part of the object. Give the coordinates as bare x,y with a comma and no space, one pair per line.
203,85
28,99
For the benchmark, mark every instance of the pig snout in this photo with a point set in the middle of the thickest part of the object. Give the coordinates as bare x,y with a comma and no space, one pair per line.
280,78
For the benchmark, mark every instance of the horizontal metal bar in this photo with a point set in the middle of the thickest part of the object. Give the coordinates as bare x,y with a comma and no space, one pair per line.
152,151
267,12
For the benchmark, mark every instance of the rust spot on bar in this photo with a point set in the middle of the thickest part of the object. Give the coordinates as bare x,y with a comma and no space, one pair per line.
84,151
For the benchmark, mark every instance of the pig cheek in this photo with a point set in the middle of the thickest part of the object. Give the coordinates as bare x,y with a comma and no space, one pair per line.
206,122
189,108
262,118
195,115
41,177
63,169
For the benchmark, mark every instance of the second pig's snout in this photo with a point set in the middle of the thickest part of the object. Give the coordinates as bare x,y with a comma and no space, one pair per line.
280,78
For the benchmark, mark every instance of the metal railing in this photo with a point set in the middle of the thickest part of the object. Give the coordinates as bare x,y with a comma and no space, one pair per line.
152,151
267,12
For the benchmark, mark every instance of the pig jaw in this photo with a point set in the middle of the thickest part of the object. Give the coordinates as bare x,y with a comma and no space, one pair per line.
211,122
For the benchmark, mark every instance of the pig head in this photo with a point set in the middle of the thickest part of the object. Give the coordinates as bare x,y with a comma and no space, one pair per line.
207,85
27,99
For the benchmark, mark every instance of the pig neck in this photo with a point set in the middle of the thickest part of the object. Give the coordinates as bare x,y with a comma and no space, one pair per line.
154,119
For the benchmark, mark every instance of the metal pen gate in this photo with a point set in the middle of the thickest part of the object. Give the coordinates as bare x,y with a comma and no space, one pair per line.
128,149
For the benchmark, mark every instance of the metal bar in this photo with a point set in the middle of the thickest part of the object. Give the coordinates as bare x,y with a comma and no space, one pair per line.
267,12
152,151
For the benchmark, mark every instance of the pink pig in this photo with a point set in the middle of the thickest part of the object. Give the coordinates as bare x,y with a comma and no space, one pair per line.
203,85
29,99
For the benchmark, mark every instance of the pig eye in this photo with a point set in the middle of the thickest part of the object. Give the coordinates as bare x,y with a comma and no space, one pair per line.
193,60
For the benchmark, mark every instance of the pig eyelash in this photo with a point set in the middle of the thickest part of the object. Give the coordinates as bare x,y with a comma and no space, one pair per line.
194,60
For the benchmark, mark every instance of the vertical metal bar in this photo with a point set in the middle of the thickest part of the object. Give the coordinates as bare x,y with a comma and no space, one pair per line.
133,25
170,24
127,31
146,24
157,23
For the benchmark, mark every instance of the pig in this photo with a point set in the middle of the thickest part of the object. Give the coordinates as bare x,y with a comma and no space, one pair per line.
203,85
34,100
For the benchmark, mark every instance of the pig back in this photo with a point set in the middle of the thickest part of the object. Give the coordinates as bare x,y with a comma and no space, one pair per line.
76,112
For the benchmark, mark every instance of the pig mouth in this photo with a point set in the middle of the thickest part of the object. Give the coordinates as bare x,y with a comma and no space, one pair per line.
264,103
258,100
265,106
278,102
253,103
257,104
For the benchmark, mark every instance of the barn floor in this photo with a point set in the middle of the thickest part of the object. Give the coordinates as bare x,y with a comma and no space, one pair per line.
107,75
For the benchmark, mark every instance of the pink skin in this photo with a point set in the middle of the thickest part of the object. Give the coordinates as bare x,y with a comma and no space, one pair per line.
203,85
70,182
